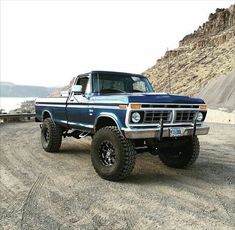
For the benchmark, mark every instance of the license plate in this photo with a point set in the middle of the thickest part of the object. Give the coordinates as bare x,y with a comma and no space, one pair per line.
175,132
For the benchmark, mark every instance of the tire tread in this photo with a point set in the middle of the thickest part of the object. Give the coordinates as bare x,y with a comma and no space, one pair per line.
193,148
55,136
129,154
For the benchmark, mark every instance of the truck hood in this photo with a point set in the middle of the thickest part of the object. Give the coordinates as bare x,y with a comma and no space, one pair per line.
146,98
163,98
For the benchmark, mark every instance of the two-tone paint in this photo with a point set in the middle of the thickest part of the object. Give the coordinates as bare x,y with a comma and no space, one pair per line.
84,111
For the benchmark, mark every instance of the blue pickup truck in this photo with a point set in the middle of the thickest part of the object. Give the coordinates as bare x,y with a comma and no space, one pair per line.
123,116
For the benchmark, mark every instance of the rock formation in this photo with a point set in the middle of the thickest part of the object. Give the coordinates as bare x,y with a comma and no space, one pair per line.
209,52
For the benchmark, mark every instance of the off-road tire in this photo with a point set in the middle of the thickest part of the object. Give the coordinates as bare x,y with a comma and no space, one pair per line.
181,157
124,154
51,136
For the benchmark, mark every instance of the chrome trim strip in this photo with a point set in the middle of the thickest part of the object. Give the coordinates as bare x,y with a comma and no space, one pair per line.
80,106
173,117
105,107
50,105
181,109
77,106
165,103
63,121
165,124
51,100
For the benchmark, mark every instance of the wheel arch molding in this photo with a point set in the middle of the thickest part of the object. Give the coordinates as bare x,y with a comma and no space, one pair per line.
107,119
47,114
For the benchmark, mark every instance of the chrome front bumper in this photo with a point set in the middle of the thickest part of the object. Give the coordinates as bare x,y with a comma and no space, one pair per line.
155,132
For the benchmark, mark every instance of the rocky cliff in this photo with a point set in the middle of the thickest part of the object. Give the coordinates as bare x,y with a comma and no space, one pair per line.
209,52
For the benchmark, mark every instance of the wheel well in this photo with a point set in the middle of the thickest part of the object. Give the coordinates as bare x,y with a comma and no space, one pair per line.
45,115
103,122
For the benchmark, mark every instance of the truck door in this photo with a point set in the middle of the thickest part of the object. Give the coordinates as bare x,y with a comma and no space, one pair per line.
78,105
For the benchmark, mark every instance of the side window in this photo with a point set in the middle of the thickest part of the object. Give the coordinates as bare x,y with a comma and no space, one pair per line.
83,82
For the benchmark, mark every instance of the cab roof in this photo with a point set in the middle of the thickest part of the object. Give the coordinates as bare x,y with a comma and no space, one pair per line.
111,73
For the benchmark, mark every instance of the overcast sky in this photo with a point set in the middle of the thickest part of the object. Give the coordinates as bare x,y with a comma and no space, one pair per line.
49,42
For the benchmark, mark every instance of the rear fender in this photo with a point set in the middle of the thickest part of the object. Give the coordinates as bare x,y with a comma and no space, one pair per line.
46,114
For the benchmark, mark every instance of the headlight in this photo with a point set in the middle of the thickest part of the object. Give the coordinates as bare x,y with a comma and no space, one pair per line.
199,116
135,117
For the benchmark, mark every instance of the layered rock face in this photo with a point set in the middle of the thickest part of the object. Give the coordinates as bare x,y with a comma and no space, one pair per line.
209,52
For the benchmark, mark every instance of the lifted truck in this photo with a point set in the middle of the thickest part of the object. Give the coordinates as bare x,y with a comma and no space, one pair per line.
124,116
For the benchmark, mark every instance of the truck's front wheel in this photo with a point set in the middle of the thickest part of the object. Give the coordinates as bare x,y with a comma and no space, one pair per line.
51,136
181,157
112,155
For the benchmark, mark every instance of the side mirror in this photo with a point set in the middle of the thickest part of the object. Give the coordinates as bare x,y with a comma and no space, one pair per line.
76,89
64,93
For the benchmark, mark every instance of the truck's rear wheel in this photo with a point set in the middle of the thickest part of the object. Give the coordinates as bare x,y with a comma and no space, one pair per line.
51,136
112,155
181,157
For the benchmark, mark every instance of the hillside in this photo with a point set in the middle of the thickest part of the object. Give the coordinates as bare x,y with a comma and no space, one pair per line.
221,92
207,53
8,89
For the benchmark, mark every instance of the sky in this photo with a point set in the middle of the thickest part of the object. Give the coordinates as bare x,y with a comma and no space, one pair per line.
47,43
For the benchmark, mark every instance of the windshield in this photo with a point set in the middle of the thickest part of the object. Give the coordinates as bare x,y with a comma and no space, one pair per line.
105,83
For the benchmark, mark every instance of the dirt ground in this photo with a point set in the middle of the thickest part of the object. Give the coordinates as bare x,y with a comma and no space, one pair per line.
40,190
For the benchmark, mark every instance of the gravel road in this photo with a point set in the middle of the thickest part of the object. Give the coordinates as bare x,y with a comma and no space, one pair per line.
40,190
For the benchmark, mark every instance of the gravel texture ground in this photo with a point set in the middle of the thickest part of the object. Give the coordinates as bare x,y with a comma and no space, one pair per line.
40,190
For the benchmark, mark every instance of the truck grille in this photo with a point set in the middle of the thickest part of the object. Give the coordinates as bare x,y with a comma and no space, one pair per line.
185,116
156,116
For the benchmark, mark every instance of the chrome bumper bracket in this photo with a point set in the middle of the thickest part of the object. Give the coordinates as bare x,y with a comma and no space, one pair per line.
161,130
194,127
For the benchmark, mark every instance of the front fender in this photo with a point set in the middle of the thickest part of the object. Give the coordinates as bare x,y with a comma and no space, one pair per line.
119,122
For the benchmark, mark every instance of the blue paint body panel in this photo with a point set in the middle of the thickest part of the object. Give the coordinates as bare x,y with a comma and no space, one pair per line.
164,98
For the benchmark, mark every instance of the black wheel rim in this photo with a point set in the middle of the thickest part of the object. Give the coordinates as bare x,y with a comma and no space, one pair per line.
174,154
107,153
46,134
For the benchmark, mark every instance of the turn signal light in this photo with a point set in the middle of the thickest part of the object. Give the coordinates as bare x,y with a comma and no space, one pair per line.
202,107
135,106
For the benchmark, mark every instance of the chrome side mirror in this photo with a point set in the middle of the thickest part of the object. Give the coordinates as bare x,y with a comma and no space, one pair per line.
64,93
76,88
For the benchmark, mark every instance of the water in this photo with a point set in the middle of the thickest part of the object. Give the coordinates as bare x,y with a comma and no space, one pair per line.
10,103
